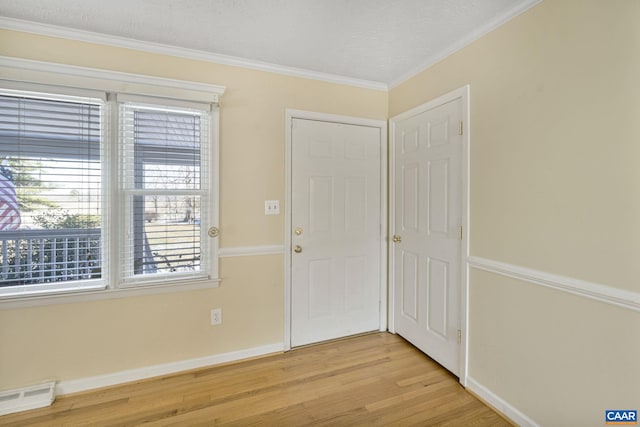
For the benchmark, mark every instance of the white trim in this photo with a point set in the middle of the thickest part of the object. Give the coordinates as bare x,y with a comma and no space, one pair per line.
465,168
499,404
214,182
391,323
291,114
235,251
198,55
154,102
462,93
384,227
105,294
56,93
334,118
83,384
26,70
288,122
603,293
465,41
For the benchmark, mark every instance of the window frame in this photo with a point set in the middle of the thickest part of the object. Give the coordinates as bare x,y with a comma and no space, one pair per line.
61,80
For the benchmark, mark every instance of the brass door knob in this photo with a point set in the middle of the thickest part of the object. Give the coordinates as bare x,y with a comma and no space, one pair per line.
396,238
297,249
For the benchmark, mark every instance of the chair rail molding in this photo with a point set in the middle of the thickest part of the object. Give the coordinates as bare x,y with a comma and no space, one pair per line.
234,251
595,291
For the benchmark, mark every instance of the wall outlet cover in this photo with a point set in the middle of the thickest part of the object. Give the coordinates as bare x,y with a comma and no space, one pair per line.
216,316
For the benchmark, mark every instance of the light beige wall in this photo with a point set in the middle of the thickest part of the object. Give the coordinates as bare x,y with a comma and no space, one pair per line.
560,359
72,341
555,103
79,340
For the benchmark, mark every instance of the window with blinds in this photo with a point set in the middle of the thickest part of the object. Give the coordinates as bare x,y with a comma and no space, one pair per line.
104,191
51,200
166,191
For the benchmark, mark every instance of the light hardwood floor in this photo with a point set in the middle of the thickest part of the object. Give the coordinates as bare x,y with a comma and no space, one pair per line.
376,379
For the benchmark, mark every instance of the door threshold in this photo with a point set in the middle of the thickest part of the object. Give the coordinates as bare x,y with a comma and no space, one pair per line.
333,340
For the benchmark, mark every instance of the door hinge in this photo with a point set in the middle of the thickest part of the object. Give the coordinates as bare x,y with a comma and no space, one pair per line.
460,128
459,336
460,232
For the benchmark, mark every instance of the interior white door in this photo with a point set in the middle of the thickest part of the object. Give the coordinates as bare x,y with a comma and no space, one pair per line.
427,244
336,223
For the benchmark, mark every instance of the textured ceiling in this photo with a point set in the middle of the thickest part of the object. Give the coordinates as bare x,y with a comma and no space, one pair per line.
375,40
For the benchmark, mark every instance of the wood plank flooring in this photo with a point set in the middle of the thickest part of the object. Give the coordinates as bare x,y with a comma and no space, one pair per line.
377,379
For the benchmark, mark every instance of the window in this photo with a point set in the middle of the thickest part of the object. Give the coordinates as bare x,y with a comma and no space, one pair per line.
50,192
165,165
83,208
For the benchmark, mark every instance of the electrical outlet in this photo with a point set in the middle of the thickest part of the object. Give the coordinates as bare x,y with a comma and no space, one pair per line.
216,316
272,207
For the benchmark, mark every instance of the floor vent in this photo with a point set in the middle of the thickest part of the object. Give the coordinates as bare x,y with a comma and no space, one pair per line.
32,397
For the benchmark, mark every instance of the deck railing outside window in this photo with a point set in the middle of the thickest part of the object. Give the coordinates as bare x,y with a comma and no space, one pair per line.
43,256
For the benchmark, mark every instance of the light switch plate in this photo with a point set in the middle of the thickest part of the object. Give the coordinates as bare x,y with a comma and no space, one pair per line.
272,207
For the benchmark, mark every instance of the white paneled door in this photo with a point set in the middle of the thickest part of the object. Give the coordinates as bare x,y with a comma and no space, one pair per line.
335,230
426,248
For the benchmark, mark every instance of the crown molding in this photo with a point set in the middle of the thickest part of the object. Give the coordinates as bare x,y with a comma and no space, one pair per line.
108,75
470,38
198,55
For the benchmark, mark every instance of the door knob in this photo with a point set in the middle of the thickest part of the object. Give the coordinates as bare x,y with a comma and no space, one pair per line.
297,249
396,238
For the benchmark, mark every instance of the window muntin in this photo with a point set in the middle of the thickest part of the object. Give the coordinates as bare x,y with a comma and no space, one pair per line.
50,156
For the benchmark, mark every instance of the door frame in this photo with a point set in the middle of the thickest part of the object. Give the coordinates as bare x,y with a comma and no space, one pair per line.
290,115
463,94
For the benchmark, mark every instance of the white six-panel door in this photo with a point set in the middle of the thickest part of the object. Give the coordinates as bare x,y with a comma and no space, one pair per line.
335,230
426,252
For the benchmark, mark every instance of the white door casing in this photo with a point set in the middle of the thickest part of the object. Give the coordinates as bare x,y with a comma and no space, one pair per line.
429,218
336,220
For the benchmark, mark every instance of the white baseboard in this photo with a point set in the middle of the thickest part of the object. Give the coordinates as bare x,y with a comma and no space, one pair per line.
499,404
83,384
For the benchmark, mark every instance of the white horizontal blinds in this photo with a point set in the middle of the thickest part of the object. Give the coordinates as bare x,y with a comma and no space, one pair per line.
164,170
50,191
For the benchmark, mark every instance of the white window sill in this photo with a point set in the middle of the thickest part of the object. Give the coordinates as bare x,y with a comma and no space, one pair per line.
87,295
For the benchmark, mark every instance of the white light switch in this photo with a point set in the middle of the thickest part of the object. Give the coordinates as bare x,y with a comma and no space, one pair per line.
272,207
